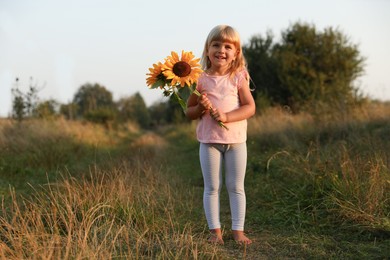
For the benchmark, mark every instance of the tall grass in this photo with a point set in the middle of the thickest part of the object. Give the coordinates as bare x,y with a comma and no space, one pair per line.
47,144
127,212
333,171
36,150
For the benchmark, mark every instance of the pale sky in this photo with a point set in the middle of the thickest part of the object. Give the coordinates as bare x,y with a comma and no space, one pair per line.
65,44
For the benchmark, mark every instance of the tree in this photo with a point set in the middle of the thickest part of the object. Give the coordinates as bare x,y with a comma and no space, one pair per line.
91,97
18,108
307,67
262,67
47,109
94,103
102,115
134,108
159,113
24,104
69,110
169,111
318,66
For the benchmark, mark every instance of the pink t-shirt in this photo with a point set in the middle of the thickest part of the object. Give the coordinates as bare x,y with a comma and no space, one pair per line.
222,91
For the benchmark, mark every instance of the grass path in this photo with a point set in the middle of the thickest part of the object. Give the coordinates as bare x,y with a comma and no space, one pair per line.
185,163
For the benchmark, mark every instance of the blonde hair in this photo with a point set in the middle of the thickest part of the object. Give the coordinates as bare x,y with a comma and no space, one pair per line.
224,33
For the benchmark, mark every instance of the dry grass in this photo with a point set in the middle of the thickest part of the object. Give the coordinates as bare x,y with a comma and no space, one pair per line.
281,119
48,145
128,212
335,162
20,134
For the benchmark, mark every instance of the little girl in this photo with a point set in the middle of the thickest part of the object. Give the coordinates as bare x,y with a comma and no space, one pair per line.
226,99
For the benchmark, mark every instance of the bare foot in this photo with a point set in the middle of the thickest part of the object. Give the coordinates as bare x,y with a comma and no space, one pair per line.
216,236
241,238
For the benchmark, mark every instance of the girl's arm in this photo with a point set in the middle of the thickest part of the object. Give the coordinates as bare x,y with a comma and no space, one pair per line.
246,110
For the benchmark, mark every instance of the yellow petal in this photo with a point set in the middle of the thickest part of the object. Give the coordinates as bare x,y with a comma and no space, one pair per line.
175,57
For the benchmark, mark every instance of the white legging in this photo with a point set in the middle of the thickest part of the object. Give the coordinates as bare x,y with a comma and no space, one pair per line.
234,157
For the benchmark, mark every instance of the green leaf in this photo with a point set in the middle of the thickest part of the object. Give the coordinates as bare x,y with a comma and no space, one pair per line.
158,83
193,89
181,102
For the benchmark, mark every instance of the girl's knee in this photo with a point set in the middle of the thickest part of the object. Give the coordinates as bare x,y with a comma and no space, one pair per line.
211,190
235,188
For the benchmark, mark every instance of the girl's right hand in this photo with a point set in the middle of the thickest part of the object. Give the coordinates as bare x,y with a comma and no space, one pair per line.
204,102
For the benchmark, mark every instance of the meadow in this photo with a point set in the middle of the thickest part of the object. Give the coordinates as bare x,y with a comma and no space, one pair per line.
317,187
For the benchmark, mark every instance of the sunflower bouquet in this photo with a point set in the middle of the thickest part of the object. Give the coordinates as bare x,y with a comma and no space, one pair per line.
175,73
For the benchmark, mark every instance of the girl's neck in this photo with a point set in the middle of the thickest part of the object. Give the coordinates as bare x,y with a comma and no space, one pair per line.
217,71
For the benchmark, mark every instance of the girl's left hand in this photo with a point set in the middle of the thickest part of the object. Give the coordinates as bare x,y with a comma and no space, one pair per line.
217,115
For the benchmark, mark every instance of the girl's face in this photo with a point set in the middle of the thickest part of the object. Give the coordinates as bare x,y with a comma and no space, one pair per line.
221,54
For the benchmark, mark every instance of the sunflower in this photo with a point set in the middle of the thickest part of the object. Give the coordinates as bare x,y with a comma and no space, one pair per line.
176,71
182,71
156,77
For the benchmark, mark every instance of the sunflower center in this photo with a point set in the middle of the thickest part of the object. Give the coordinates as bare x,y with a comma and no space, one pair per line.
181,69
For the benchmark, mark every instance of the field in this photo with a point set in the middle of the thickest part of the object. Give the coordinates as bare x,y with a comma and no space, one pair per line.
317,185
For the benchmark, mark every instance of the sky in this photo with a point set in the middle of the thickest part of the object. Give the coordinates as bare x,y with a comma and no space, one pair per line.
58,46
